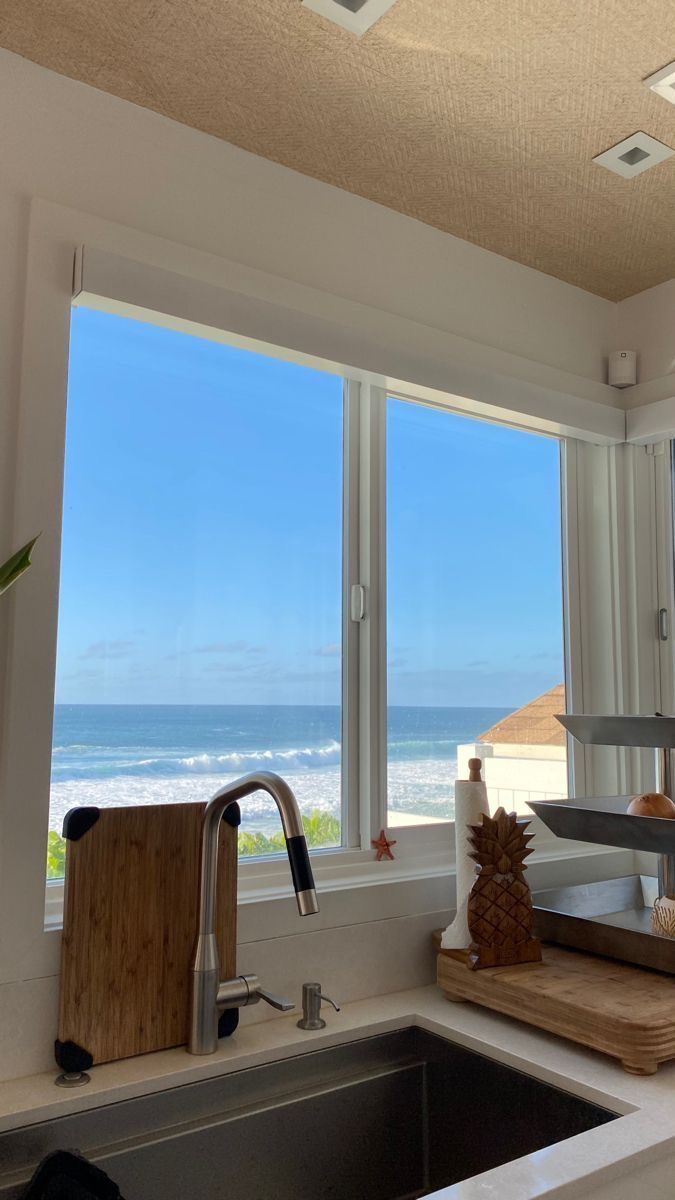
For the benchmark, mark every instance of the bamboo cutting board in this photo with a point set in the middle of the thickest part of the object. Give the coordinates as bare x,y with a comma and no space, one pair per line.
626,1012
130,922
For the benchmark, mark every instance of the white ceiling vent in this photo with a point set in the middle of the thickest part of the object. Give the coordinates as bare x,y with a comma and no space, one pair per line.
355,15
663,82
634,154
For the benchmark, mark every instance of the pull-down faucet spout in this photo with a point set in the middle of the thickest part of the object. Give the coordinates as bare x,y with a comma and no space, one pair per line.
204,975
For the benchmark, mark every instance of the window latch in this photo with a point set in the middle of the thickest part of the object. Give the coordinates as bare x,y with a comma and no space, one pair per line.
358,602
664,625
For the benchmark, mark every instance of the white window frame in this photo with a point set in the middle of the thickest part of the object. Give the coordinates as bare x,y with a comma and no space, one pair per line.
664,487
277,316
364,810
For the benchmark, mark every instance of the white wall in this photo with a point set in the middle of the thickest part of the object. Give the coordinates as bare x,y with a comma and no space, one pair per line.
82,148
388,949
646,323
516,774
68,143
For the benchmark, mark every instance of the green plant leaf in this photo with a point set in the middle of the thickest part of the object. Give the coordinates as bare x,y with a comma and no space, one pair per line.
56,855
321,829
16,565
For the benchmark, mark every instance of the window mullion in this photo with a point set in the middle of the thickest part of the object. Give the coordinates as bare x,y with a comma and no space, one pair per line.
351,795
372,629
571,550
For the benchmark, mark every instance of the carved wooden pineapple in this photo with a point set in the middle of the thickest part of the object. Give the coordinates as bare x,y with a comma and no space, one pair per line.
500,904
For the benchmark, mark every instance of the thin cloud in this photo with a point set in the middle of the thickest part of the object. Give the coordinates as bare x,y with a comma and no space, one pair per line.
83,676
282,676
464,688
220,648
268,673
239,647
540,656
226,669
104,650
331,650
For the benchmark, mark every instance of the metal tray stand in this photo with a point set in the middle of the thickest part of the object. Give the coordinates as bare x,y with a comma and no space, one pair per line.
604,820
613,917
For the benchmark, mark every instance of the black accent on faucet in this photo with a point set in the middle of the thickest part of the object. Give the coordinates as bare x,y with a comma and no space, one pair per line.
301,870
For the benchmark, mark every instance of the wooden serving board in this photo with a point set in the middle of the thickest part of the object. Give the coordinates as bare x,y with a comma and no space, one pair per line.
624,1011
130,922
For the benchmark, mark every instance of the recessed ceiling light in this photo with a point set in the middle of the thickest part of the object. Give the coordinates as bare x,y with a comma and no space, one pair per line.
355,15
663,82
634,154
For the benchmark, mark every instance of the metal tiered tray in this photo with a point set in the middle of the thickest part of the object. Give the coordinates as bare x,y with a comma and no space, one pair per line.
652,733
604,820
613,917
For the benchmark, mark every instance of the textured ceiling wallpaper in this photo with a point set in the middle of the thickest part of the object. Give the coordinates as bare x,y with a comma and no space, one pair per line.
479,117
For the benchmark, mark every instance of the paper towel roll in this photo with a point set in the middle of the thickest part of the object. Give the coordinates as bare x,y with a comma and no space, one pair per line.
470,804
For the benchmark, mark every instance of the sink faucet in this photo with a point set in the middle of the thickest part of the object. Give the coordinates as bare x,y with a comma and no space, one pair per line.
208,995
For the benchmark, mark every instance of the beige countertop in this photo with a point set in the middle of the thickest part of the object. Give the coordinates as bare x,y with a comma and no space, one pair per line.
575,1167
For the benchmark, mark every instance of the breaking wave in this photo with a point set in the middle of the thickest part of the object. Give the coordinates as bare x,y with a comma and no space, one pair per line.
170,766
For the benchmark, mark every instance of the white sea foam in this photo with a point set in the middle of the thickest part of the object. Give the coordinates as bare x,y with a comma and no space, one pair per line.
269,760
420,785
317,790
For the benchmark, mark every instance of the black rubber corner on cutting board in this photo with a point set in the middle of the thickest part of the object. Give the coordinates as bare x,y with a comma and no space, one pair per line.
232,815
79,821
227,1022
72,1058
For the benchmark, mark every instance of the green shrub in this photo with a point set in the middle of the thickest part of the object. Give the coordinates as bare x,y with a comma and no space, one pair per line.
56,855
321,829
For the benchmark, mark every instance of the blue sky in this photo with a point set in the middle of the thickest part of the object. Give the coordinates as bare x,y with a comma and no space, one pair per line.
202,535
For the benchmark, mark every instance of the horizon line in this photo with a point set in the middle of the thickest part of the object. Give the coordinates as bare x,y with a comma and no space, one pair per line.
247,704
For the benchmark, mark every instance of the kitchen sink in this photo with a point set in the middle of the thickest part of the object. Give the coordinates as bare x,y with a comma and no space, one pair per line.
388,1117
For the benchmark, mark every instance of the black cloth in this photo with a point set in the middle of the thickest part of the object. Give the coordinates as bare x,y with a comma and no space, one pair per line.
67,1176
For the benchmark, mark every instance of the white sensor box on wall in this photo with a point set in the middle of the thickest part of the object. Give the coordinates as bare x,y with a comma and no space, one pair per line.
622,368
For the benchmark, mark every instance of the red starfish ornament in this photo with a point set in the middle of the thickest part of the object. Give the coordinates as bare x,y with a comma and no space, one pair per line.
382,846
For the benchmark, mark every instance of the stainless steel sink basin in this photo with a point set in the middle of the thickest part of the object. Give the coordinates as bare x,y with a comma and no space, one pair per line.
388,1117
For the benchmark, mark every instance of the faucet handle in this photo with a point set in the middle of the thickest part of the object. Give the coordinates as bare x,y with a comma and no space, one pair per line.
278,1002
246,989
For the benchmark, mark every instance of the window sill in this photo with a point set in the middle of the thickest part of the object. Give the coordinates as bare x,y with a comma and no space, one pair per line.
415,880
349,870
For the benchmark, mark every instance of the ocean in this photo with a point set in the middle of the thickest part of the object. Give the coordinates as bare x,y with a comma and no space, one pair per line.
107,755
